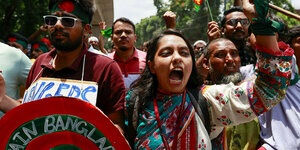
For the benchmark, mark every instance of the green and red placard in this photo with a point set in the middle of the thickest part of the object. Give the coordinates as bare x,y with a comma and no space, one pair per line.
58,123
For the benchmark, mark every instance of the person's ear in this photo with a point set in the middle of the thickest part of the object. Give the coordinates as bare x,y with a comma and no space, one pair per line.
222,30
87,30
205,63
151,66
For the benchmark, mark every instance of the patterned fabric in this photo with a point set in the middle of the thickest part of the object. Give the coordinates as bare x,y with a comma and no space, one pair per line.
280,126
228,105
232,105
150,137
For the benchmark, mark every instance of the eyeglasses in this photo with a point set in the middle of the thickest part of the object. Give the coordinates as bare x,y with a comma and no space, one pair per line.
234,22
65,21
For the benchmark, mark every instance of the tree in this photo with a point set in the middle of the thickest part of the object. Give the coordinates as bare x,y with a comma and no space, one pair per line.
22,16
191,23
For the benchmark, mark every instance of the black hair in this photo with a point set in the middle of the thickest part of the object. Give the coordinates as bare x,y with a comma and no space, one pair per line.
284,30
17,36
123,19
293,33
145,87
86,5
228,11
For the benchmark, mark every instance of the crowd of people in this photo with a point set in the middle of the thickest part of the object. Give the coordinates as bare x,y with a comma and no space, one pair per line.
238,90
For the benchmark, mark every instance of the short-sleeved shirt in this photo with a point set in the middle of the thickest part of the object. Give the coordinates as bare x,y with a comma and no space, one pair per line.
15,66
98,68
133,67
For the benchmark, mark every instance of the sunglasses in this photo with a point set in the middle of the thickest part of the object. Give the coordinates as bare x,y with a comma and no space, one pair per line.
234,22
65,21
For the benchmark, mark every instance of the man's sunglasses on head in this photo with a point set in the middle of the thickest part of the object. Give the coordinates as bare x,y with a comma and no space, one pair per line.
234,22
65,21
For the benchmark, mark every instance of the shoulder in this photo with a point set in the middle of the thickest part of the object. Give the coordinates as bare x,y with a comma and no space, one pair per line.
8,50
141,53
13,54
99,60
111,55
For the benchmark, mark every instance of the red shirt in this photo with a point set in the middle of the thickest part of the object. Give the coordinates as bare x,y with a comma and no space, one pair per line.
133,67
98,68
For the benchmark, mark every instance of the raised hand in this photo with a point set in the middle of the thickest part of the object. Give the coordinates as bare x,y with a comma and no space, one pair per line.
213,31
249,9
170,19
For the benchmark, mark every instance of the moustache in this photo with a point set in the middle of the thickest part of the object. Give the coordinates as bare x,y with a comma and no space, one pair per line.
238,30
61,32
229,64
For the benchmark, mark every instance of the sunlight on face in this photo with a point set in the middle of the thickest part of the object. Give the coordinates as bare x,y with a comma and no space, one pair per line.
172,64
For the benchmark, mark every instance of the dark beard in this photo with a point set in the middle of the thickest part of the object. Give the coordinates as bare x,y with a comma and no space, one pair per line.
123,48
67,46
239,43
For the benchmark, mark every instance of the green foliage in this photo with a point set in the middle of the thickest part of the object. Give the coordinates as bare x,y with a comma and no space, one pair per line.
193,24
22,16
285,4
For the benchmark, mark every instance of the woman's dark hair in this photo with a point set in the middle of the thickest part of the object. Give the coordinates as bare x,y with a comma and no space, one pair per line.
145,87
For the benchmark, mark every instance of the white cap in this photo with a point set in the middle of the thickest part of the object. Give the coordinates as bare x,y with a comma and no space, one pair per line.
200,42
93,38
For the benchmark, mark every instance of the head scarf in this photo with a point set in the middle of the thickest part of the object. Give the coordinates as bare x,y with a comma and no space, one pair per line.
73,7
40,47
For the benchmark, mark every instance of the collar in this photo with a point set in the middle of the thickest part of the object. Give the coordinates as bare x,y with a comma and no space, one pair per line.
50,57
161,94
134,56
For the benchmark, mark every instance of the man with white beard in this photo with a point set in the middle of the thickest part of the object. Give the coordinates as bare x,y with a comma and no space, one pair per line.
222,63
222,60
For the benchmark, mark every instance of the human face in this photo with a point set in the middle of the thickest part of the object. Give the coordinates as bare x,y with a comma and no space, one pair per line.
224,59
296,47
66,38
123,36
36,53
238,31
199,47
172,64
94,44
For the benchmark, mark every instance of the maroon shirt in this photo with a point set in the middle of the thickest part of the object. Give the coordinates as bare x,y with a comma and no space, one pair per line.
98,68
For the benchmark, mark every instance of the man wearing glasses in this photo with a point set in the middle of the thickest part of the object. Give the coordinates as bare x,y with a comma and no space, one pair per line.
234,26
70,59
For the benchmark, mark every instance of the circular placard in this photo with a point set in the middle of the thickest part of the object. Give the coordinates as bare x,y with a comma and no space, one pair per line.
58,123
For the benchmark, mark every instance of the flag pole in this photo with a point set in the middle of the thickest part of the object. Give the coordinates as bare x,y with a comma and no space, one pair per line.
285,12
211,16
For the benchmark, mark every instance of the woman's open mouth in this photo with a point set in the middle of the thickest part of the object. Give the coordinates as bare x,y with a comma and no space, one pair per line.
176,76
